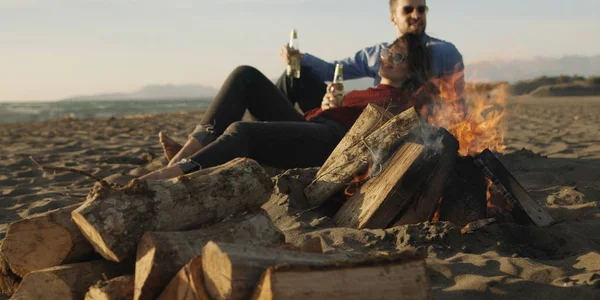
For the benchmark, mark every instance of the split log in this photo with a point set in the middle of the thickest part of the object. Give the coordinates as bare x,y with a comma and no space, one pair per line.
232,271
443,160
118,288
188,284
342,165
45,240
160,255
374,204
68,281
522,205
114,219
398,280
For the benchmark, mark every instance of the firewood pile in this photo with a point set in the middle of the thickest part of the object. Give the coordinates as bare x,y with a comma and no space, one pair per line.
210,235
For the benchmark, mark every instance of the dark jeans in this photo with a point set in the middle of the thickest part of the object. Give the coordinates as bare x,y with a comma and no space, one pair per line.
284,140
307,91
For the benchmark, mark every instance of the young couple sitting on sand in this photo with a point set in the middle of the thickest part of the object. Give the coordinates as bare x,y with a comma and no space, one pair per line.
285,138
288,139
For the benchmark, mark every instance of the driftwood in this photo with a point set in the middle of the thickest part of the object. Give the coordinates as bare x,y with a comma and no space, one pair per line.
522,205
232,271
161,255
398,280
188,284
442,163
375,204
68,281
118,288
45,240
113,220
341,166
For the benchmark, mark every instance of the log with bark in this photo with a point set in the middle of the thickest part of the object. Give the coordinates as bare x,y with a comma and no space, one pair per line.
397,279
524,209
68,281
160,255
118,288
367,141
45,240
232,271
443,159
114,219
381,198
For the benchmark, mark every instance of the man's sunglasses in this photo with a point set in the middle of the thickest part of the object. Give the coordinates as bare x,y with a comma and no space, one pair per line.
421,9
396,57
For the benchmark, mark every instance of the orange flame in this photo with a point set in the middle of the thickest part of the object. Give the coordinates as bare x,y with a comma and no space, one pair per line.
497,205
356,182
477,123
488,193
436,215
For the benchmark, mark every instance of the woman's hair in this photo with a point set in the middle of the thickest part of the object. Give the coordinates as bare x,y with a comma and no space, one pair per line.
418,59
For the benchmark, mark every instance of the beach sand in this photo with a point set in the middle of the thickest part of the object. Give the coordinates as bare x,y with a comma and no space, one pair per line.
553,149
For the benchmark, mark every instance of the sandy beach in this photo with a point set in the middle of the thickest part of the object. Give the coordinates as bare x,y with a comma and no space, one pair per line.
553,149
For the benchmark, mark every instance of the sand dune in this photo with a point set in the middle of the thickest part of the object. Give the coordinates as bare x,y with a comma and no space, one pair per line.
553,150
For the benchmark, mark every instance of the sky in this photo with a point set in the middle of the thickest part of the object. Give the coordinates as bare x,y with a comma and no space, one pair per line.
54,49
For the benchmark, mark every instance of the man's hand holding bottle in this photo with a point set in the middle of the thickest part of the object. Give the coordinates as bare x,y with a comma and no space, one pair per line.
287,52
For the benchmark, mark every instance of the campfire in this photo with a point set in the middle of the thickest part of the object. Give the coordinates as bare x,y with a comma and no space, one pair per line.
200,236
446,170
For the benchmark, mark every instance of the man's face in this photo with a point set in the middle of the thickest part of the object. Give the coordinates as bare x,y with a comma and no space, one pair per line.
390,67
410,16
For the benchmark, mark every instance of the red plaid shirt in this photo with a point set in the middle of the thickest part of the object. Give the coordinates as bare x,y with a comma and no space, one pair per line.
355,101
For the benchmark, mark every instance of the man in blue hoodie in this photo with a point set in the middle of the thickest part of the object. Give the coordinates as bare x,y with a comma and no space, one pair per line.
407,16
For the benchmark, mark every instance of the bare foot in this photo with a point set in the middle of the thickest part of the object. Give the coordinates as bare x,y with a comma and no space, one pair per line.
191,146
170,147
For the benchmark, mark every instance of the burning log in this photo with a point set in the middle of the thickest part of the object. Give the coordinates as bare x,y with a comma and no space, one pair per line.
464,197
524,208
376,204
441,161
161,255
232,271
389,279
45,240
113,220
188,284
366,140
68,281
119,288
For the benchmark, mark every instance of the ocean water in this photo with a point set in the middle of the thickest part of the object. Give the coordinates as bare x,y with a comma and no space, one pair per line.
13,112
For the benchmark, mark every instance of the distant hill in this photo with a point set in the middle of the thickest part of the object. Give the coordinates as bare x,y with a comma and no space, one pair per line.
150,92
567,90
511,71
515,70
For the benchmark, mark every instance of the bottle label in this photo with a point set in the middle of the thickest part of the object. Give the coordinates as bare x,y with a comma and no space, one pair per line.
293,68
338,92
